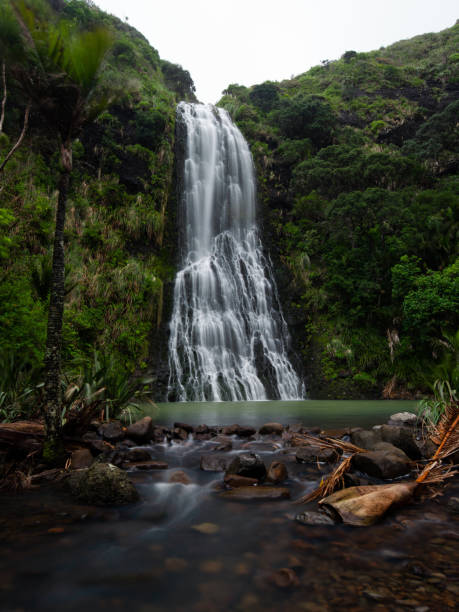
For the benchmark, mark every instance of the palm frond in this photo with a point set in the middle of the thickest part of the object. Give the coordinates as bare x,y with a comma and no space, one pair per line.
328,485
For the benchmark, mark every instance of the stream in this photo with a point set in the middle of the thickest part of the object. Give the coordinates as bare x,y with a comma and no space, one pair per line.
184,547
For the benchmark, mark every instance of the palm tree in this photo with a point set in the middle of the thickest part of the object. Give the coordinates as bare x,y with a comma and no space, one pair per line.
61,77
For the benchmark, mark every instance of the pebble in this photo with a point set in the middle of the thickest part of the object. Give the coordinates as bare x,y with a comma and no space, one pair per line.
206,528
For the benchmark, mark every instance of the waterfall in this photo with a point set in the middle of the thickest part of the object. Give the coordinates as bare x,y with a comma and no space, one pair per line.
228,338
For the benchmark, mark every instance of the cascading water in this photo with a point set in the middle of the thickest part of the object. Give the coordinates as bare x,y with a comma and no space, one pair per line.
228,337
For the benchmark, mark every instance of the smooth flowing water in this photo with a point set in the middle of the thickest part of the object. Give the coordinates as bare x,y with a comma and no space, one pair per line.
229,340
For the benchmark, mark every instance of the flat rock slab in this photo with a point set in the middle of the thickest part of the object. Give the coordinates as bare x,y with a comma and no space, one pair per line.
233,480
257,493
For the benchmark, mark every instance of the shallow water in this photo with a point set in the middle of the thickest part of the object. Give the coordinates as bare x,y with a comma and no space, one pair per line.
149,557
323,413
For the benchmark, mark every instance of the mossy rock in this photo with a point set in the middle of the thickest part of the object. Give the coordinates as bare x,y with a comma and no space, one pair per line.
103,484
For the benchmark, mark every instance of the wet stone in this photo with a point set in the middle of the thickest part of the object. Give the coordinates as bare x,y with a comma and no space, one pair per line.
384,464
102,484
188,428
223,443
233,480
403,418
453,504
247,464
142,430
314,518
271,428
214,463
277,472
181,477
312,454
81,458
112,432
138,455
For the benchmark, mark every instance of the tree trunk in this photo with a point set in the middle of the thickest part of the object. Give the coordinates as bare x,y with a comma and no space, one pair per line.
2,114
53,448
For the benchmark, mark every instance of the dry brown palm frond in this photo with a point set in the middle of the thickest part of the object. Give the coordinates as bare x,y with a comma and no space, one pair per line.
446,433
328,485
447,437
327,442
436,473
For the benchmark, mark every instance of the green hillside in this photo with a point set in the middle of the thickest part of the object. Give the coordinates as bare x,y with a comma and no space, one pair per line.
118,215
357,162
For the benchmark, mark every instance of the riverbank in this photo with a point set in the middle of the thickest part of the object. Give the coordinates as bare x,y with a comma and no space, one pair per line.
227,546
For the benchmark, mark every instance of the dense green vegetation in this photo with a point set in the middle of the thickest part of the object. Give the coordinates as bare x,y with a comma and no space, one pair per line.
357,161
117,260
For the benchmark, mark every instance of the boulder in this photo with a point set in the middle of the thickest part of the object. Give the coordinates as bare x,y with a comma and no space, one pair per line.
202,429
181,477
247,464
178,433
142,430
188,428
401,437
426,447
312,454
407,419
214,463
256,493
159,433
81,458
112,432
238,430
314,518
103,484
233,480
271,428
387,463
138,454
100,446
366,438
277,472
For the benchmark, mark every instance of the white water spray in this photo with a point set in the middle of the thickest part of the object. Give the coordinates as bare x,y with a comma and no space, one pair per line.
228,336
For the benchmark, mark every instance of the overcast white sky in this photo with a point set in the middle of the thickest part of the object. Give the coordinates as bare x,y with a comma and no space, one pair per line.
251,41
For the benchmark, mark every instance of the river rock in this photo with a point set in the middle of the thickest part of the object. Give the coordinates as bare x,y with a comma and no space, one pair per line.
103,484
388,463
178,433
401,437
314,518
112,432
181,477
138,454
99,447
233,480
188,428
277,472
223,443
247,464
81,458
426,447
258,445
238,430
312,454
214,463
159,433
142,430
366,438
271,428
407,419
256,493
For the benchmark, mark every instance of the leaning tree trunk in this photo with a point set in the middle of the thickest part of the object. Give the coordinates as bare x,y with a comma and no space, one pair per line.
53,449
